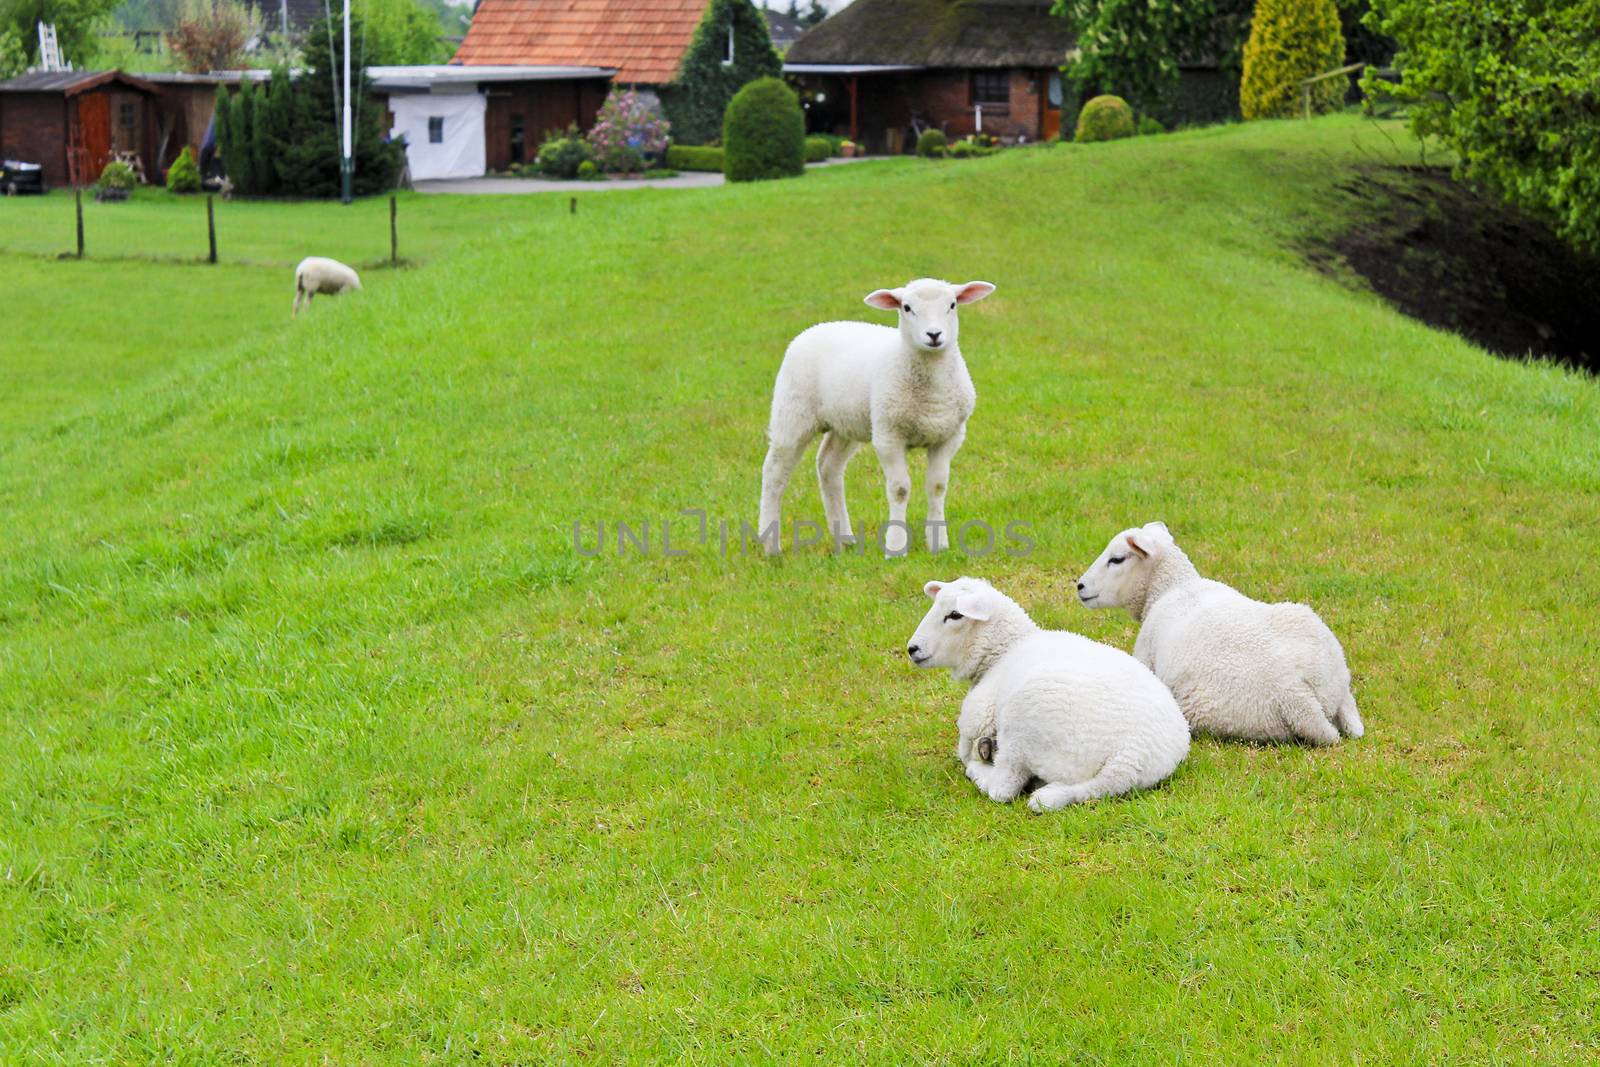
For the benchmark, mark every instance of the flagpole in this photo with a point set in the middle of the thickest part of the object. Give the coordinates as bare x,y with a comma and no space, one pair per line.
346,160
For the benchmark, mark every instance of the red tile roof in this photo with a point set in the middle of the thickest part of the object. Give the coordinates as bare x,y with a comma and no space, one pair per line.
643,39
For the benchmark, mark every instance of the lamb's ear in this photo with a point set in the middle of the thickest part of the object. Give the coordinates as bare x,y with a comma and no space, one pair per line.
973,292
1158,525
886,299
1138,549
978,604
932,589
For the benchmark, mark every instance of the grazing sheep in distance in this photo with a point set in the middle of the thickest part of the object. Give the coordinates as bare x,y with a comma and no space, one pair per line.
1086,718
1239,668
318,274
855,382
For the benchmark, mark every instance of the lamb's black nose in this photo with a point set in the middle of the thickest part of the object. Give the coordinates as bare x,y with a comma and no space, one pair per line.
934,335
912,650
1080,587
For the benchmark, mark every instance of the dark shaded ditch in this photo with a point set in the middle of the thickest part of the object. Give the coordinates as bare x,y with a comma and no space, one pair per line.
1462,260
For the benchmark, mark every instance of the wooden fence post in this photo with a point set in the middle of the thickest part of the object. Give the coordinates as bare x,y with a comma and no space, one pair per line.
211,230
394,234
77,195
574,205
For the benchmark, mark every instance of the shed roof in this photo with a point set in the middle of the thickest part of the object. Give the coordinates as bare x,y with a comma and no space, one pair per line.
72,82
426,76
644,40
937,33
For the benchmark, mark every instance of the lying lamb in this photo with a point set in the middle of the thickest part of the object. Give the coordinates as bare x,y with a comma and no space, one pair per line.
1084,717
317,274
855,382
1239,668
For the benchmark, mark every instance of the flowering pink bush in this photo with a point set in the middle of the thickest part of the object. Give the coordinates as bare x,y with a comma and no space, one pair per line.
625,132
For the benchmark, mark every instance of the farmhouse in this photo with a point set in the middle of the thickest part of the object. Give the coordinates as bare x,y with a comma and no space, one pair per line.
880,71
72,121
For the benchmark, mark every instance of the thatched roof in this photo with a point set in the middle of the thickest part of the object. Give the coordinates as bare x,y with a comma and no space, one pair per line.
938,33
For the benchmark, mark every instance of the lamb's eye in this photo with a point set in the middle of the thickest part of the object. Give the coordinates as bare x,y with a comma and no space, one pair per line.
952,305
906,308
1114,560
953,616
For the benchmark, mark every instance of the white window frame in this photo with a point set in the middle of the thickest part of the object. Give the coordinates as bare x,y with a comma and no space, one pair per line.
727,53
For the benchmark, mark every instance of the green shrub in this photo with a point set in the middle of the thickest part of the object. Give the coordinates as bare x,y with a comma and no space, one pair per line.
970,149
1291,40
626,132
694,157
931,144
588,171
1150,126
562,153
1510,88
184,174
1105,118
764,133
117,175
698,97
818,149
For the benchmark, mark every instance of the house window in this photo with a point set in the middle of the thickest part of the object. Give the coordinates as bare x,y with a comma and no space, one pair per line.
727,51
991,89
125,116
519,137
436,129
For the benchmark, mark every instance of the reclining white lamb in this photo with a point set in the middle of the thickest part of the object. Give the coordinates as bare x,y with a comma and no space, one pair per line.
1239,668
1084,717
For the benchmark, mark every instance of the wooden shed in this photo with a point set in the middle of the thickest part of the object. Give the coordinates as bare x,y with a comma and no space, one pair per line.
72,121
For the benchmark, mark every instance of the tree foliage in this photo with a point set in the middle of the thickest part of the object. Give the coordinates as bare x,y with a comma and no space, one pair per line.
74,20
399,32
1291,40
764,133
1135,48
13,57
284,139
1514,88
697,98
211,35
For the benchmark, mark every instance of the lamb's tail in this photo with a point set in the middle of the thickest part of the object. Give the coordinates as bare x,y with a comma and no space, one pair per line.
1119,775
1347,718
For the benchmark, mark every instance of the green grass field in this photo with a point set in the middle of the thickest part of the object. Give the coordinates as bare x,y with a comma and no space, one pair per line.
325,746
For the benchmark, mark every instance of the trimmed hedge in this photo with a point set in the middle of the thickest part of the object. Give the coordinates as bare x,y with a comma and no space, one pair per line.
1105,118
931,144
184,174
694,157
764,133
818,149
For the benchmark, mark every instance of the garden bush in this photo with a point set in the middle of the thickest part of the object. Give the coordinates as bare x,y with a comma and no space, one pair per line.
970,149
562,153
694,157
184,174
117,175
627,134
818,149
1149,126
764,133
588,171
1291,40
931,144
1105,118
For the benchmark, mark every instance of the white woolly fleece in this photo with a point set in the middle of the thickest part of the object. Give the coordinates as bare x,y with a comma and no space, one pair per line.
1084,717
1239,668
318,274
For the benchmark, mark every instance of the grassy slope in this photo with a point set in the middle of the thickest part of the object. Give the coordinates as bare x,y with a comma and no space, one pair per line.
328,746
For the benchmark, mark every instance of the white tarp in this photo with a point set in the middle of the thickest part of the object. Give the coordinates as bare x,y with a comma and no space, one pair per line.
443,132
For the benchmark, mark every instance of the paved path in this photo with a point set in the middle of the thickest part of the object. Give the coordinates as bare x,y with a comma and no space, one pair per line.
688,179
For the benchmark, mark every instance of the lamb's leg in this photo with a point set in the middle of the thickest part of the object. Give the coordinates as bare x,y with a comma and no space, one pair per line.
1001,780
939,457
1119,774
1347,719
782,455
298,293
833,455
1303,715
897,482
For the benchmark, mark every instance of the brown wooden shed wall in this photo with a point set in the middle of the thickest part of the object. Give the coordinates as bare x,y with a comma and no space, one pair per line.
543,106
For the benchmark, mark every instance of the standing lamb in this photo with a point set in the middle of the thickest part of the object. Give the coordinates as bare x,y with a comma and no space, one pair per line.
1239,668
317,274
1086,718
855,382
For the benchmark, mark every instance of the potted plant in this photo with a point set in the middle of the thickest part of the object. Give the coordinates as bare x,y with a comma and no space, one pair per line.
115,181
849,149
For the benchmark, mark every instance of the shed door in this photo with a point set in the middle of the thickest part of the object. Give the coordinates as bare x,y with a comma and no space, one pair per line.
94,125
